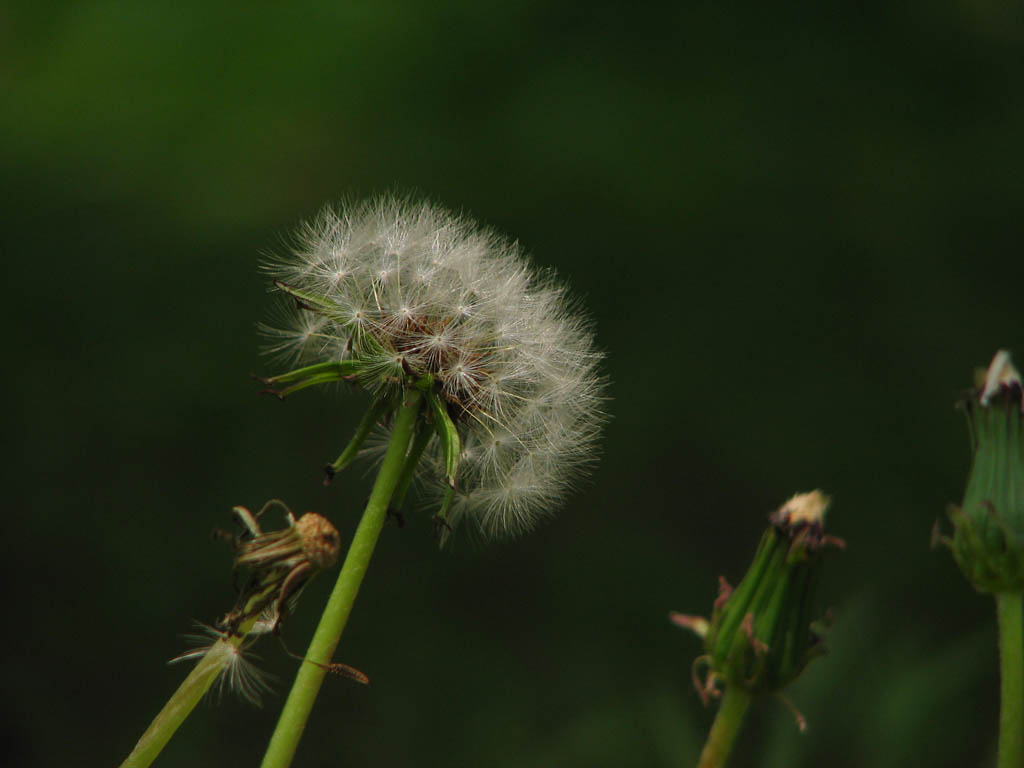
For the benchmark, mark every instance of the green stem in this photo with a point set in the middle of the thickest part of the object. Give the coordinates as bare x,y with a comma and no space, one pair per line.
1011,657
189,693
725,728
296,710
179,706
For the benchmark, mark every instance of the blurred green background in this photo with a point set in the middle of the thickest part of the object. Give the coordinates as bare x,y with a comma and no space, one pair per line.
797,226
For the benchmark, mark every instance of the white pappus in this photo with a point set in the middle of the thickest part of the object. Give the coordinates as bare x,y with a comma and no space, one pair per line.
407,289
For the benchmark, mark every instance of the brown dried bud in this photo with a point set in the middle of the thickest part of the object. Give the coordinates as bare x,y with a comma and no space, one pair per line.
320,540
280,563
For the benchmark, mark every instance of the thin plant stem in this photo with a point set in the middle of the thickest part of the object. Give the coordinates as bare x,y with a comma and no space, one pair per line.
725,728
188,694
1011,658
297,708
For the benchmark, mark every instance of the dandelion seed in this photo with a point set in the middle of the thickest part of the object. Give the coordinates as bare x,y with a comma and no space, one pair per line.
238,674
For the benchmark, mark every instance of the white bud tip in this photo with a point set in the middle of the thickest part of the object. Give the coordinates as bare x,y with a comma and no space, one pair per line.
696,624
805,508
1000,374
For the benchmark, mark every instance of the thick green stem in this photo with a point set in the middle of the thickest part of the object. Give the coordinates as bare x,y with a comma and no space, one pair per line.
307,683
725,728
1011,658
189,693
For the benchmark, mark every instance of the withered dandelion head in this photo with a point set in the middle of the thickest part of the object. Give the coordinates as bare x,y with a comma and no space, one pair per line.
279,563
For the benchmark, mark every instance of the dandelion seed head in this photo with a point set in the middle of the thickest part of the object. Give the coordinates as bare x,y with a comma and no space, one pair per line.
411,290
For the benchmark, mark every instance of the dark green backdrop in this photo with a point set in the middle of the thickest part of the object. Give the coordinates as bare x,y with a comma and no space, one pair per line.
798,229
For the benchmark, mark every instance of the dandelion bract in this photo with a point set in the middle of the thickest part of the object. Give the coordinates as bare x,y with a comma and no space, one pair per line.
406,289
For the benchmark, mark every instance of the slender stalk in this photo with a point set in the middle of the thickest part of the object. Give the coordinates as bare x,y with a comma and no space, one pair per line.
189,693
725,728
292,722
366,425
1011,657
178,707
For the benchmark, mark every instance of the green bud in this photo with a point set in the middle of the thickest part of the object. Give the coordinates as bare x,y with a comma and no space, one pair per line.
762,634
988,536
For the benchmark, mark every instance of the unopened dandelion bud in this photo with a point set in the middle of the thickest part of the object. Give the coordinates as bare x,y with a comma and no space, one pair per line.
988,527
762,633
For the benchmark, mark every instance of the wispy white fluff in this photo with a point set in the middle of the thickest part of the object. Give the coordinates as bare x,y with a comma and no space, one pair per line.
414,289
236,671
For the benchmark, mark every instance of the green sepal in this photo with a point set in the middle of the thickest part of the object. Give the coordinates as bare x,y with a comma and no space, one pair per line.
451,445
374,413
442,528
424,435
307,300
310,376
340,368
990,564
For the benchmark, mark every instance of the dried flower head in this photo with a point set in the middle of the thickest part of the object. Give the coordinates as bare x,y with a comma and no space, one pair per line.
280,564
404,293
